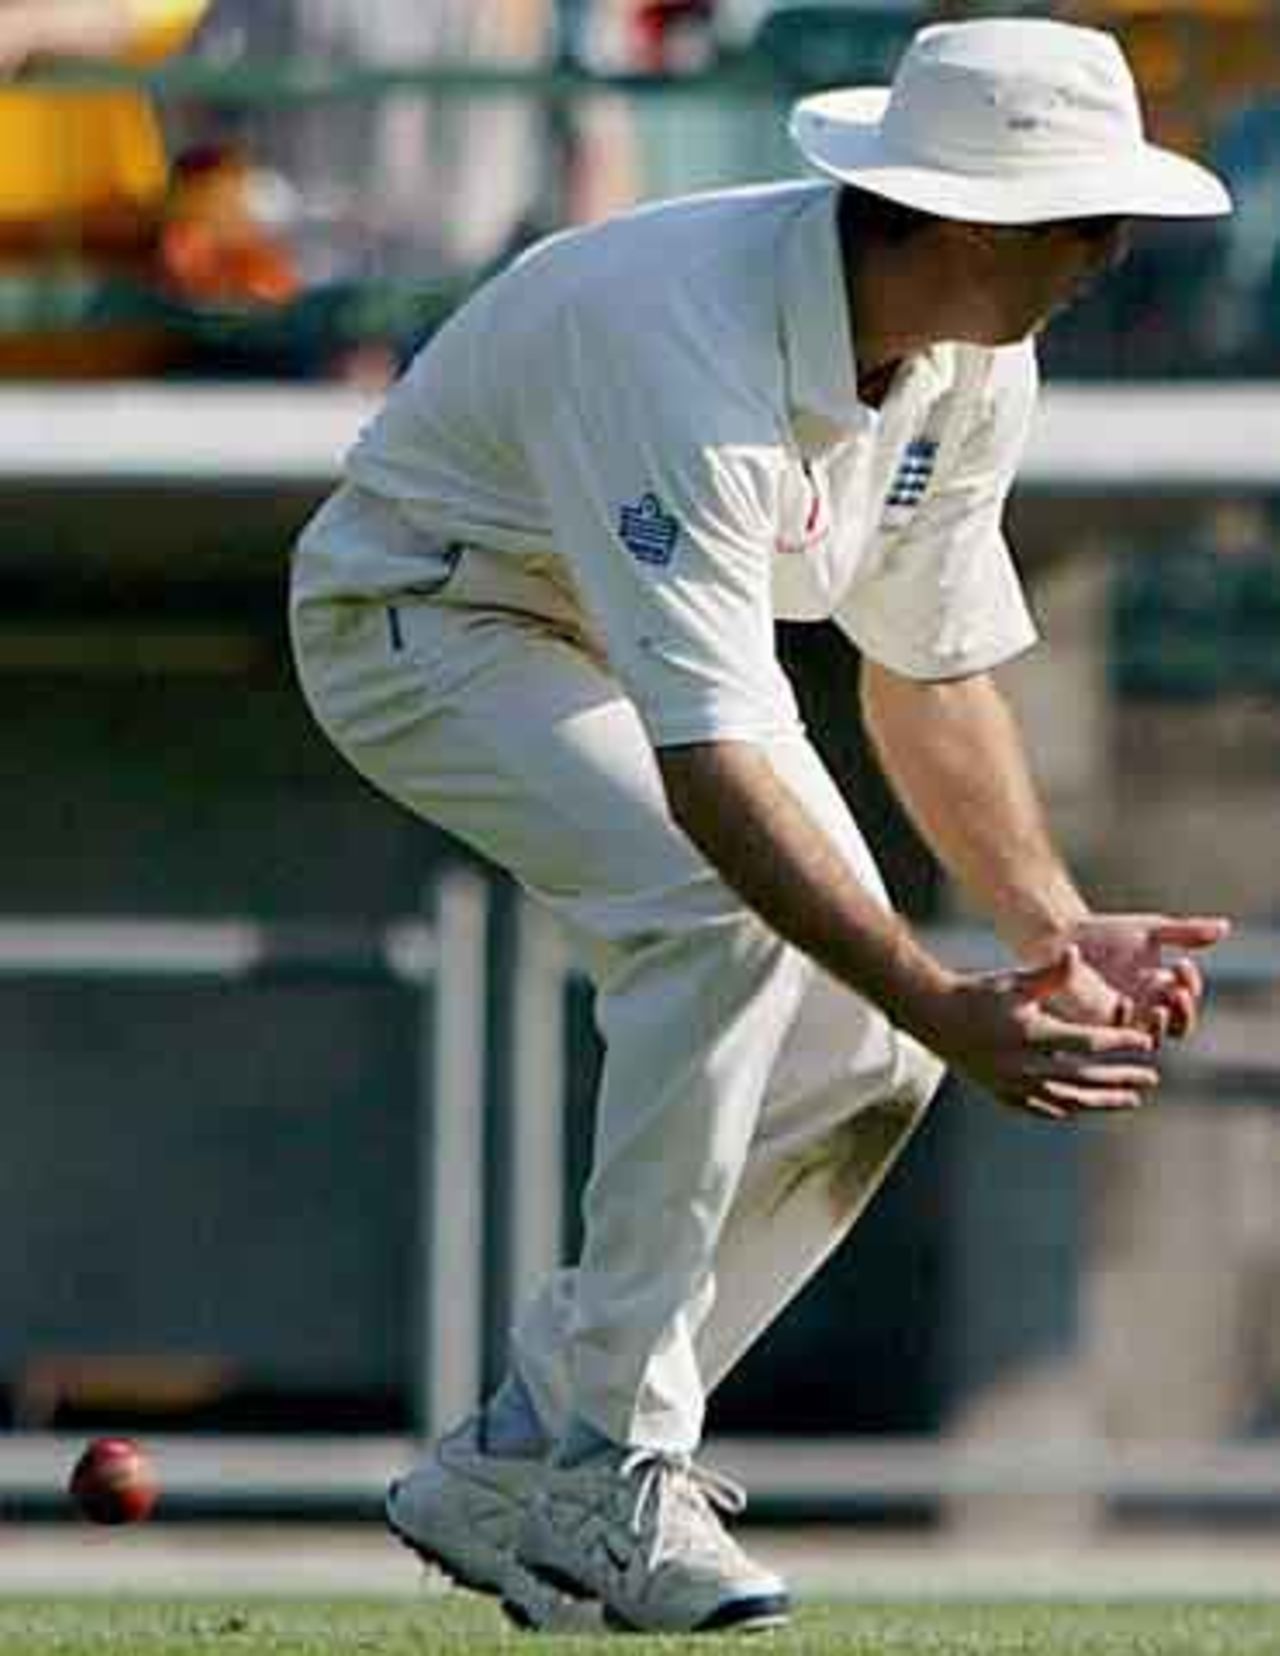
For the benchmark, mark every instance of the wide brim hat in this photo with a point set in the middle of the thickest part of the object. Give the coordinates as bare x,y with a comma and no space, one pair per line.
1006,121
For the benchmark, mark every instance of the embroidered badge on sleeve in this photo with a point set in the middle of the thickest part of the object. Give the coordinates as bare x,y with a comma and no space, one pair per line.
648,533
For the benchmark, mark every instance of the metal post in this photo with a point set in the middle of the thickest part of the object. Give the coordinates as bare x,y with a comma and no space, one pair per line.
535,1230
449,1279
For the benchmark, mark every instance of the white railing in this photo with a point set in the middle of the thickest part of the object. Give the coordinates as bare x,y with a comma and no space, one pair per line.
1109,437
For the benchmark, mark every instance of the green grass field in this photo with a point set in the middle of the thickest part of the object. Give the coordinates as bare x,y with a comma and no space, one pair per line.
458,1623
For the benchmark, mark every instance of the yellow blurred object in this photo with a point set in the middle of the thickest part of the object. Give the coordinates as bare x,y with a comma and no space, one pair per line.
84,179
160,27
84,167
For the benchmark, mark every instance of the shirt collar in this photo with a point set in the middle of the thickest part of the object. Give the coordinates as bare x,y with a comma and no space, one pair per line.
822,376
817,343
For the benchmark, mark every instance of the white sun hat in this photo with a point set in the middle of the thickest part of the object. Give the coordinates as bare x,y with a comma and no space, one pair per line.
1006,121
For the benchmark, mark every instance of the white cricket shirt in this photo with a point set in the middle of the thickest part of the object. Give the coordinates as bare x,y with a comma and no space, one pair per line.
655,422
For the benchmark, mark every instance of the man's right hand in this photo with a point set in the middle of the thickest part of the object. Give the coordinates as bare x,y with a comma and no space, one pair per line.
997,1029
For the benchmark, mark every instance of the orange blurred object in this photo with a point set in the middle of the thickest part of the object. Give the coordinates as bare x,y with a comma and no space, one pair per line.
213,247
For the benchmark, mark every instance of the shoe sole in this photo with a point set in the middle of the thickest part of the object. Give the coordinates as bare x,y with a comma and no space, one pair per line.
554,1620
433,1560
743,1615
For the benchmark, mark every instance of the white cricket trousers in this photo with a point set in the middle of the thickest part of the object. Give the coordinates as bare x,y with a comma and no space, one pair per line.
749,1106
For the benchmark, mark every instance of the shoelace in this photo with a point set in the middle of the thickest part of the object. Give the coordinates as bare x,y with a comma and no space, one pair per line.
657,1472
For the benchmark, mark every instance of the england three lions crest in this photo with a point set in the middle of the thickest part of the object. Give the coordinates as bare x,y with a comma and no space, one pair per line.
910,481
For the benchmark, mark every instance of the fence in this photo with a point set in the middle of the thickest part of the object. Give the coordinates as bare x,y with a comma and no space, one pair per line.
487,994
440,958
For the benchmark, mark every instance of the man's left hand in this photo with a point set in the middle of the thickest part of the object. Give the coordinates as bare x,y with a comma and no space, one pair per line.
1147,960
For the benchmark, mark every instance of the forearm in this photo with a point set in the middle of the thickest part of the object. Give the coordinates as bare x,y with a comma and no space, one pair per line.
994,1028
134,31
728,799
955,758
63,29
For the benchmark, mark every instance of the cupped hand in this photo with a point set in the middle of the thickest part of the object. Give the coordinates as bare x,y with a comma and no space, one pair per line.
1000,1029
1147,960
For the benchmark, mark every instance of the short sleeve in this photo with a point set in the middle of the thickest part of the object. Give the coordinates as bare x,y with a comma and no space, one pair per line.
660,465
945,600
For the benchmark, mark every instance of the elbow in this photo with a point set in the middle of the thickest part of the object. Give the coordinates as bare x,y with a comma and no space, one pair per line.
874,688
679,768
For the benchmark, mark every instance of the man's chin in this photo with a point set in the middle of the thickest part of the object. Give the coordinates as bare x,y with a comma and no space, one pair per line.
1015,335
993,338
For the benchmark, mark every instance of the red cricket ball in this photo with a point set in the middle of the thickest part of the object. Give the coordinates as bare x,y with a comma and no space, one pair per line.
114,1482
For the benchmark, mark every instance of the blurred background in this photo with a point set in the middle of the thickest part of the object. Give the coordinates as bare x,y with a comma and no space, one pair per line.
296,1099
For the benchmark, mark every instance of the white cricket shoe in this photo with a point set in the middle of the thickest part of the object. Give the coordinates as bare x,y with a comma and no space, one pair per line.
640,1531
460,1510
